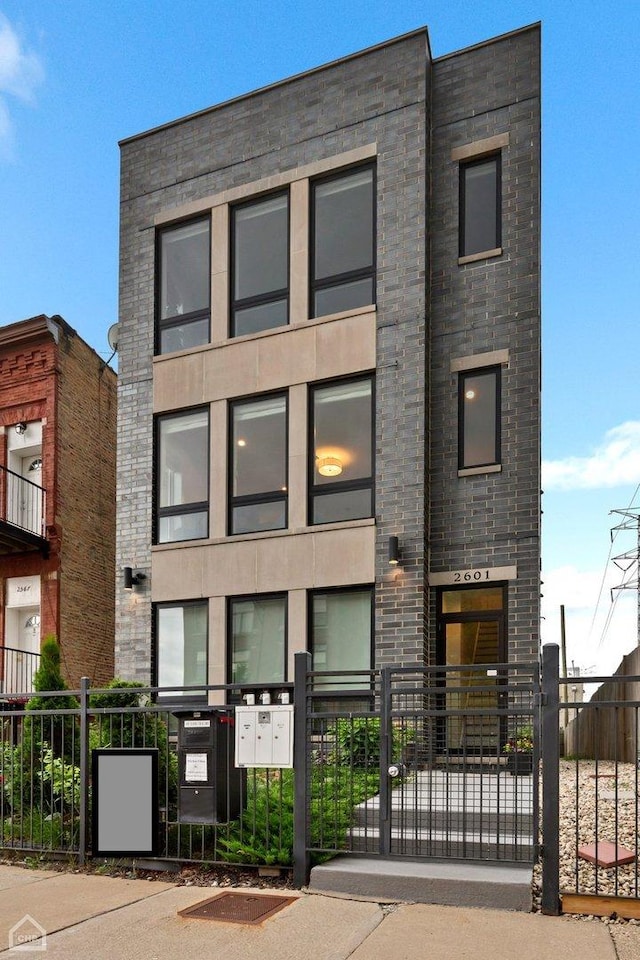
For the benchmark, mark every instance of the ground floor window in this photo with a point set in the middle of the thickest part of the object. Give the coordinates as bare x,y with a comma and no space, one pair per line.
341,634
181,646
257,639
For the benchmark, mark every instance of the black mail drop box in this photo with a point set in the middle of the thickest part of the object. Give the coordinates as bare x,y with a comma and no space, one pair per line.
210,788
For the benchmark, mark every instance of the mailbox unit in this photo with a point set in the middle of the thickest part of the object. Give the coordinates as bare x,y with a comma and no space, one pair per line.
264,736
209,785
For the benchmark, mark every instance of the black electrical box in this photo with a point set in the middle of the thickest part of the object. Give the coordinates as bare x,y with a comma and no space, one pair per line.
210,788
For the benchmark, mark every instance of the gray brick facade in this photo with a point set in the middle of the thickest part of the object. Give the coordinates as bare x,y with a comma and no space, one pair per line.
429,310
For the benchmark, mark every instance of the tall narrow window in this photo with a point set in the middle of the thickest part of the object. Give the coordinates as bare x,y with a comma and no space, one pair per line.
182,476
341,634
479,418
341,454
183,302
258,639
260,267
181,647
480,203
258,459
343,247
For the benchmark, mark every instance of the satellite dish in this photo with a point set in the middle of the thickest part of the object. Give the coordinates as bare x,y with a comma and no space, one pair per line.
112,336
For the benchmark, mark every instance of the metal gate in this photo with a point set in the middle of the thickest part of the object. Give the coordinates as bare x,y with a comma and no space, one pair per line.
423,762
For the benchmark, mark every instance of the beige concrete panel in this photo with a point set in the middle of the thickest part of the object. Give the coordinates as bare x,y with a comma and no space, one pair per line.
178,382
480,147
284,563
229,569
296,627
232,370
217,647
288,358
298,420
344,556
297,456
299,259
345,346
176,573
219,273
491,359
218,470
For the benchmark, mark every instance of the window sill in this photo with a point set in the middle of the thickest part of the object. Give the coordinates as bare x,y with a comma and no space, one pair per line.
266,534
475,471
483,255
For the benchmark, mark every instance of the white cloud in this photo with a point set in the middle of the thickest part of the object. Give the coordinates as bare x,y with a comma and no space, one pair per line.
614,463
597,633
20,73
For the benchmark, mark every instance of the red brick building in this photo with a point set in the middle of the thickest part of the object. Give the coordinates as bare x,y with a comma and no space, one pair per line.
57,502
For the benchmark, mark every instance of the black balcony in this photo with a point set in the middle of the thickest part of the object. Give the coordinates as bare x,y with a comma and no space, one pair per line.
22,514
17,668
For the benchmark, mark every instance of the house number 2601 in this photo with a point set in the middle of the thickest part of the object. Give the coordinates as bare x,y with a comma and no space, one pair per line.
470,576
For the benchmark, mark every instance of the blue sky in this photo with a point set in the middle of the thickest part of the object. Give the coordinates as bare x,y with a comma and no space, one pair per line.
76,77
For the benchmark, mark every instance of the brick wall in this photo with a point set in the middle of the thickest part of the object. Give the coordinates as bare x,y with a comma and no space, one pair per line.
86,510
491,519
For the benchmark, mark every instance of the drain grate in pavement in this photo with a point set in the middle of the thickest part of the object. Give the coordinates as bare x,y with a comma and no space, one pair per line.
237,907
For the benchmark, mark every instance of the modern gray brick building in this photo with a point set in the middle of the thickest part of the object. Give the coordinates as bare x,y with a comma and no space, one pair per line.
329,339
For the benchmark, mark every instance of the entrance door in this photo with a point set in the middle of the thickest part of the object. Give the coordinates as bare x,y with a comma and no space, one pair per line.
471,635
24,500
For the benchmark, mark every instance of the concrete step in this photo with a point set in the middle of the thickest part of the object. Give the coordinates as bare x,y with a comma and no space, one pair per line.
456,844
494,885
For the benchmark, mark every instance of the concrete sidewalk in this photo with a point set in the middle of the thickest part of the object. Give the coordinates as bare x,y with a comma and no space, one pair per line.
88,917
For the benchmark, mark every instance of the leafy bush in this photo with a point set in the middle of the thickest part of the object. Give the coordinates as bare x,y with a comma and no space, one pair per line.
356,741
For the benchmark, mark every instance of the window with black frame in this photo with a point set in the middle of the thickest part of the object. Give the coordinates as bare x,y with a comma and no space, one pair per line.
183,286
257,647
341,454
182,476
258,462
343,242
341,627
480,206
260,265
181,643
479,418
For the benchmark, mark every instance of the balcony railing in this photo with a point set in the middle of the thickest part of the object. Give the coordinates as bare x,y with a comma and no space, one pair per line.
22,512
17,668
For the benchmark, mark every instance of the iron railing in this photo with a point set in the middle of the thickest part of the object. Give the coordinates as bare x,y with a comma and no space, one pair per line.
17,668
22,503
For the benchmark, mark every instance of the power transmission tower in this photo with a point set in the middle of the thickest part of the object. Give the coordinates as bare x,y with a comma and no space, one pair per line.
630,558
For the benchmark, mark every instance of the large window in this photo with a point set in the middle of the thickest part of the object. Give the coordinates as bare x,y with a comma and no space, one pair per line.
182,476
480,213
258,639
181,647
479,418
258,459
343,246
183,299
260,265
342,634
341,453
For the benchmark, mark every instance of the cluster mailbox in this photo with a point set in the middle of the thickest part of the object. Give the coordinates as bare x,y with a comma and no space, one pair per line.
264,736
209,783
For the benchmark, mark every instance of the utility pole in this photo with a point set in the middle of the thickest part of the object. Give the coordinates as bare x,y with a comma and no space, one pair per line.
563,650
626,561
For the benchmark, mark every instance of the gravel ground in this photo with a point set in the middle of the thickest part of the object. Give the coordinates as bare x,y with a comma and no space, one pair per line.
606,806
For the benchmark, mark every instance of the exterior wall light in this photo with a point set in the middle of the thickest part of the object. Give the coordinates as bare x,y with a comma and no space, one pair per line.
329,467
20,428
394,552
132,579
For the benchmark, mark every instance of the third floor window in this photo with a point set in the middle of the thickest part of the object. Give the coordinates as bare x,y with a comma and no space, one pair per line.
260,265
183,293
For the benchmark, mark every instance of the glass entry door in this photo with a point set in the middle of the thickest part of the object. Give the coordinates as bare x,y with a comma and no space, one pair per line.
471,637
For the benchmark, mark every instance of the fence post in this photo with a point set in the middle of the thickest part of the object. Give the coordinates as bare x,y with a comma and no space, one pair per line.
550,710
301,859
84,768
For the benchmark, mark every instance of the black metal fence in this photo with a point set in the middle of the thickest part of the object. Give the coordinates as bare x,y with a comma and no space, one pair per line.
406,763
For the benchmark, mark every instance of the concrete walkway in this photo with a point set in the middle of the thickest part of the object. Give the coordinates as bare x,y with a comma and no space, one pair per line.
88,917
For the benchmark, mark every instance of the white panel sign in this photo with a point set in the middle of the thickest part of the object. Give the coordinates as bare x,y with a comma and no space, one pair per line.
23,592
471,576
195,768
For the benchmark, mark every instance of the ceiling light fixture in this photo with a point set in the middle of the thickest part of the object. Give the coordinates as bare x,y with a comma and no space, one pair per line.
329,466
